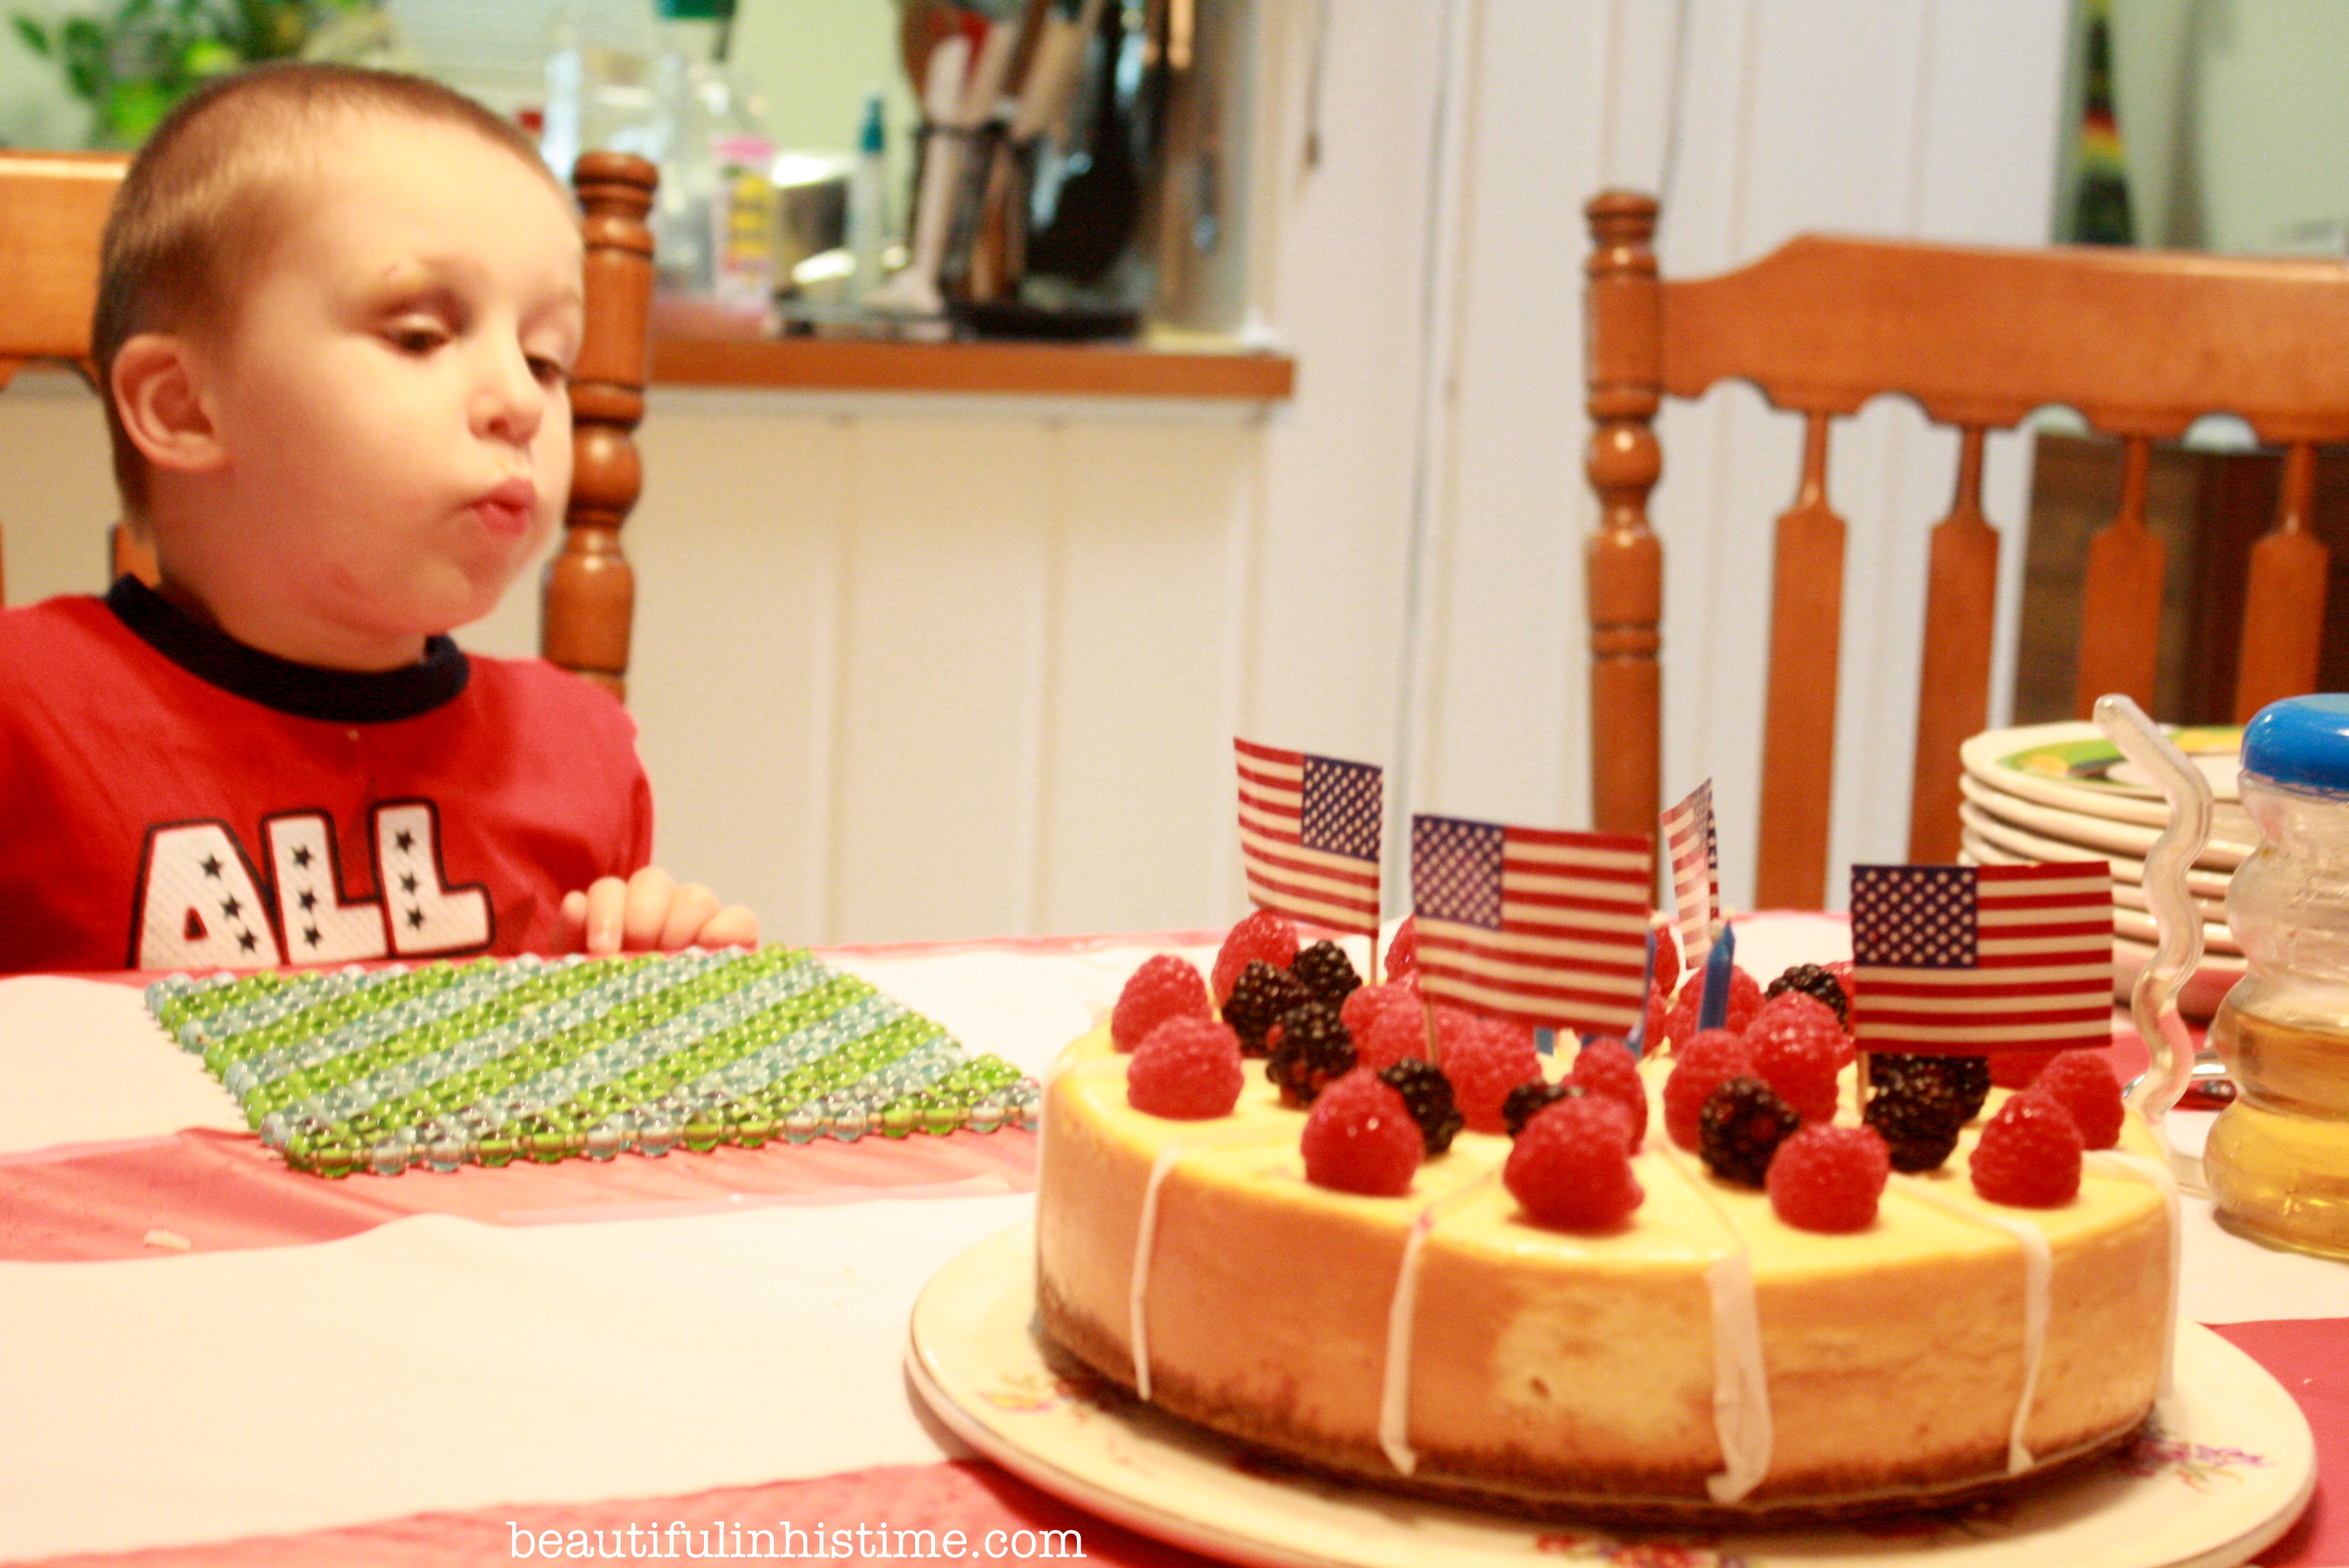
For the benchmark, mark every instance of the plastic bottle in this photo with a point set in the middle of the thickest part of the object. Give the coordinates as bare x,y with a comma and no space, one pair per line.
868,183
2277,1159
599,82
714,228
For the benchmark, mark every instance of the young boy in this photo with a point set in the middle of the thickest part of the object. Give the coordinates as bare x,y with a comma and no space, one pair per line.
336,314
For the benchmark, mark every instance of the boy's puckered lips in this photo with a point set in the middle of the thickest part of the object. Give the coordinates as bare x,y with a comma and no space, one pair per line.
510,509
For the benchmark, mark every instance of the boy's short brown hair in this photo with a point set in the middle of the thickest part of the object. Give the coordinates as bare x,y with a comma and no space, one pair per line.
206,196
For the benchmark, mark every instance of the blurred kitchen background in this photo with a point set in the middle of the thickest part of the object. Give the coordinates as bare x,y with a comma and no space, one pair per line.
929,654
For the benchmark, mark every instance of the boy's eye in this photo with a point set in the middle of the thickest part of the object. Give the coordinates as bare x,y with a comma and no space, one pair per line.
415,339
550,372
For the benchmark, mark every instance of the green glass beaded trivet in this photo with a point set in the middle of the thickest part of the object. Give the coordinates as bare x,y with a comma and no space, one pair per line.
496,1061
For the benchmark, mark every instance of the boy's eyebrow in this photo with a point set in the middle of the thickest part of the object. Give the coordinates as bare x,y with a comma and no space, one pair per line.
440,279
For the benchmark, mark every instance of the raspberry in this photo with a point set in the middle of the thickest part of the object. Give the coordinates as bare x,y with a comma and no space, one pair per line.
1828,1178
2029,1155
1795,1052
1652,1021
1485,1058
1744,1001
1264,937
1311,1050
1606,1065
1427,1094
1363,1006
1402,953
1571,1166
1918,1119
1359,1138
1802,1005
2082,1082
1327,971
1964,1080
1710,1046
1258,997
1399,1030
1814,981
1530,1098
1744,1123
1664,967
1166,987
1187,1068
1701,1066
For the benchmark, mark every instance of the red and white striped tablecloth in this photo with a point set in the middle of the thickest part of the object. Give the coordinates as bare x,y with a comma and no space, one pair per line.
209,1359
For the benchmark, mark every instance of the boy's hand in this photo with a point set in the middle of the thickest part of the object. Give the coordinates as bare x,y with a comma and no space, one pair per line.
649,913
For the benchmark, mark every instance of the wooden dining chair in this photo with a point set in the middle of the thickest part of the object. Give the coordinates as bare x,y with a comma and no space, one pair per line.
2139,344
53,208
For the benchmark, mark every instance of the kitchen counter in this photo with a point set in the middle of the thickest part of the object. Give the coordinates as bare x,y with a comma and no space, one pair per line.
999,368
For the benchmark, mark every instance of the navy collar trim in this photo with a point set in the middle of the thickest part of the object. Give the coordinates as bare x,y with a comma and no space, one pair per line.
305,691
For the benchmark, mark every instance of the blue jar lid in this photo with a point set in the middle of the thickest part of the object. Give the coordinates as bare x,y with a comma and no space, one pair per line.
2302,740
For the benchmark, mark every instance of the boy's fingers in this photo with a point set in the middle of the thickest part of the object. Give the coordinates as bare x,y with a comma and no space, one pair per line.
607,899
688,911
733,927
644,911
570,922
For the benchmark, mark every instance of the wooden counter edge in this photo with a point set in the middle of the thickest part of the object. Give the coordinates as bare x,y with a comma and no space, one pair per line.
1044,369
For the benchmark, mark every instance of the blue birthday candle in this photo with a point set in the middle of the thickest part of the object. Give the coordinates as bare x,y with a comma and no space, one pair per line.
1637,1039
1713,1011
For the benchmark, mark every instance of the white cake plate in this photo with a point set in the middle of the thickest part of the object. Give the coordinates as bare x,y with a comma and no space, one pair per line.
2230,1471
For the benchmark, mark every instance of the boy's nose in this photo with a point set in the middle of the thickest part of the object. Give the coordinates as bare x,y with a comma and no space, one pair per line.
507,400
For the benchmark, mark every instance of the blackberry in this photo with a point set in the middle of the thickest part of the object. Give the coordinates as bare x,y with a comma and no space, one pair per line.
1259,996
1918,1108
1314,1050
1521,1104
1327,971
1965,1077
1742,1125
1920,1132
1816,981
1428,1093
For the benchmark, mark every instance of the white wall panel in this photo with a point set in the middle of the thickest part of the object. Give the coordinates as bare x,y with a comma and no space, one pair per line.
58,496
740,544
1151,542
1502,681
1325,642
944,638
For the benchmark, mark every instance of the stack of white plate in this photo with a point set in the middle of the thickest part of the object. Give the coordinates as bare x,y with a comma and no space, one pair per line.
2063,792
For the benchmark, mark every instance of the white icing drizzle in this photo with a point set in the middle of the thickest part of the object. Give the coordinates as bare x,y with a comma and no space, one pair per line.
1146,1238
1395,1379
1137,1290
1741,1383
2164,1182
1741,1386
2038,1269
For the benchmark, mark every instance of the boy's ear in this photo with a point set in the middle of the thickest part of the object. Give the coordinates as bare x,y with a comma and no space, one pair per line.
158,395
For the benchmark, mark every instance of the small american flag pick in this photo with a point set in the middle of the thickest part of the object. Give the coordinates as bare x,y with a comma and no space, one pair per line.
1695,854
1530,923
1967,960
1310,830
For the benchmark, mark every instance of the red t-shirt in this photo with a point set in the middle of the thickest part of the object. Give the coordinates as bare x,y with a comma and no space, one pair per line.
171,798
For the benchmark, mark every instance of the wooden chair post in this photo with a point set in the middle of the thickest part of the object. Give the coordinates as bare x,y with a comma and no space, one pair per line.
590,592
1799,723
2289,568
1954,683
2120,608
1623,562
